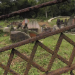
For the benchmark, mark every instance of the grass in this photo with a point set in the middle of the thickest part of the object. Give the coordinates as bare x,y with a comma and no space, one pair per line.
4,23
41,57
53,22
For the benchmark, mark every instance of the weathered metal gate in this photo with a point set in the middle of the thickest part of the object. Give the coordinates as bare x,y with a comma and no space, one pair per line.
30,61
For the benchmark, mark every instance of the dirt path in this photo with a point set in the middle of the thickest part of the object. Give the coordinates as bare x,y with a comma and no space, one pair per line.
44,23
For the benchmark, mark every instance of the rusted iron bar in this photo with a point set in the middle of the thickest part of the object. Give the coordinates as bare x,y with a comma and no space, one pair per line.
52,52
68,39
9,62
71,73
41,36
10,70
61,70
72,57
55,52
26,58
32,8
31,58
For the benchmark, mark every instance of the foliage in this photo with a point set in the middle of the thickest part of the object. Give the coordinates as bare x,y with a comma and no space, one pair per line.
8,6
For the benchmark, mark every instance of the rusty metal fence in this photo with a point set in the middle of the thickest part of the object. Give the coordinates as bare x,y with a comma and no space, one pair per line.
30,61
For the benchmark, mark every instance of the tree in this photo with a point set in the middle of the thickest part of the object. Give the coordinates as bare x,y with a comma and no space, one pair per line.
47,8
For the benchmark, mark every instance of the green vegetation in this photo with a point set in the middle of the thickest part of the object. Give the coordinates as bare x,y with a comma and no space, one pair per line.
41,57
53,22
63,9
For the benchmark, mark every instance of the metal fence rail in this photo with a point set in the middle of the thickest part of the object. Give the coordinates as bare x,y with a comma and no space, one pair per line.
30,61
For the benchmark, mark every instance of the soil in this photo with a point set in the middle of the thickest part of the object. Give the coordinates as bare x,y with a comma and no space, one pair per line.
44,23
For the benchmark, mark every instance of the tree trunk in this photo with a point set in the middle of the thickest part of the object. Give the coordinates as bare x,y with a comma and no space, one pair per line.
46,13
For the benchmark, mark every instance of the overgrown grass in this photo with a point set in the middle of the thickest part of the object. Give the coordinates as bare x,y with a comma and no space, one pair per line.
41,57
4,23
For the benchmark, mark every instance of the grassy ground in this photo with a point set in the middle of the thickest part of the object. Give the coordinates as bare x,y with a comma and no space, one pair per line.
53,22
41,57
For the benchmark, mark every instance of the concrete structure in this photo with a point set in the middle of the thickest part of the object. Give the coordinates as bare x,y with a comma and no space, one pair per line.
34,26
